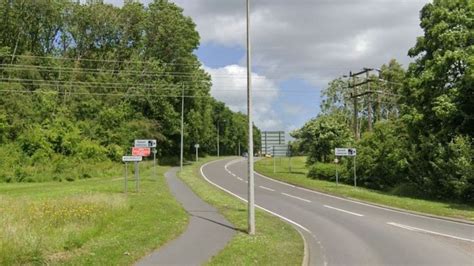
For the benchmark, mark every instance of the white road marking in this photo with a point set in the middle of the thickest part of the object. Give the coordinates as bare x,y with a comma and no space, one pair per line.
427,231
240,179
341,210
360,203
269,189
295,197
324,259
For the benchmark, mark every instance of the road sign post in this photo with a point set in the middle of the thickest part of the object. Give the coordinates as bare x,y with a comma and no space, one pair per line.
126,174
141,151
351,152
145,143
274,163
355,175
154,162
137,177
126,160
336,161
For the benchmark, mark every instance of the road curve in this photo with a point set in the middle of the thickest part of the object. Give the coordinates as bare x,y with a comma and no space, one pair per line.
343,232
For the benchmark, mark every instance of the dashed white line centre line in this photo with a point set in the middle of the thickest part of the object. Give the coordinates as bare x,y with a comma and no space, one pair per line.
266,188
427,231
341,210
295,197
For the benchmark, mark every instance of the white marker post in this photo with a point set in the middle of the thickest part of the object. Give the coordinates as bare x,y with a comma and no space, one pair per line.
336,161
197,152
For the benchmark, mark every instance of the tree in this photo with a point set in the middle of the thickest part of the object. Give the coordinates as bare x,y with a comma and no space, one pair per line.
440,94
321,135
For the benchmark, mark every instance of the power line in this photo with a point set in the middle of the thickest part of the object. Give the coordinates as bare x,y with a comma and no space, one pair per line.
112,85
100,60
105,94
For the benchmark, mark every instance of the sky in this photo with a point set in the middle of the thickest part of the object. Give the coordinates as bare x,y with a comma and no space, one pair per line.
297,48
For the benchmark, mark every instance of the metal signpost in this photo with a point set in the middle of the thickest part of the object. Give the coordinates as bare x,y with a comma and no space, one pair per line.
139,151
126,160
336,161
154,161
197,151
350,152
274,141
145,143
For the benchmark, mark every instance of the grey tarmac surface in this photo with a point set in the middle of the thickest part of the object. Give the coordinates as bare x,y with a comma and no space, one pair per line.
345,232
208,232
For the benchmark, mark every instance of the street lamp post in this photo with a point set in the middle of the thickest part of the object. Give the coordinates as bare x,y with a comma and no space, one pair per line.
251,195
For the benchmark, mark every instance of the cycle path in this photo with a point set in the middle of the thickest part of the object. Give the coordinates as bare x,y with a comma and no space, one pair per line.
207,233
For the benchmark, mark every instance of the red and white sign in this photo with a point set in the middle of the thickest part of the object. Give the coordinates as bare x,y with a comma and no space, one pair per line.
140,151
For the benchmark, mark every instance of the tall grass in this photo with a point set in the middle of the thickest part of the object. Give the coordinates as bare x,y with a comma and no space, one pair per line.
32,230
87,222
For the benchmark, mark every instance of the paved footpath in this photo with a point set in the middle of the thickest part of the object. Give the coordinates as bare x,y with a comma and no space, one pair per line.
208,232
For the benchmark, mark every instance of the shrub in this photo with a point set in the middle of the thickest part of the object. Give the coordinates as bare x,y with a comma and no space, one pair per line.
382,156
327,171
89,149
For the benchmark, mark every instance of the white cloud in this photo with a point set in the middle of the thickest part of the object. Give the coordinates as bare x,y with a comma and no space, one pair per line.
316,40
230,87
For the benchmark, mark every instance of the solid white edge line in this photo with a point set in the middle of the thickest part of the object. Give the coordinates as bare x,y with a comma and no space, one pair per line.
358,202
341,210
415,229
295,197
266,188
258,206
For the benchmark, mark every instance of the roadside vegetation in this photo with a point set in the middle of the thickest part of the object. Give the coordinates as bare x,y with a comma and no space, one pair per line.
87,222
275,242
80,80
413,127
325,182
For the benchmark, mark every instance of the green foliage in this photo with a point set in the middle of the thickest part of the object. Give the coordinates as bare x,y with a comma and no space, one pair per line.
381,156
327,171
423,136
83,80
320,136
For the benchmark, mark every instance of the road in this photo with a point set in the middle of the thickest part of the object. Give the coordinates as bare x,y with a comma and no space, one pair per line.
344,232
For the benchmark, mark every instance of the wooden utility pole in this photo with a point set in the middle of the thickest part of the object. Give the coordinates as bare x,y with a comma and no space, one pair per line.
369,103
355,95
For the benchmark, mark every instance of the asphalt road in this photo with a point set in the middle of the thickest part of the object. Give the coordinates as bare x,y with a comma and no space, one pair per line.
207,233
344,232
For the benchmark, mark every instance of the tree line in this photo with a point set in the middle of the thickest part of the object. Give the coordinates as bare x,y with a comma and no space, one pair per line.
79,82
422,140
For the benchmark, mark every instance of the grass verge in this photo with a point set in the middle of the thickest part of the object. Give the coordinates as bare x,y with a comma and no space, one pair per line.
87,222
298,176
275,243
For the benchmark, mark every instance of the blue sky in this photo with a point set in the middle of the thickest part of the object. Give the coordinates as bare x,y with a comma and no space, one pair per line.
298,47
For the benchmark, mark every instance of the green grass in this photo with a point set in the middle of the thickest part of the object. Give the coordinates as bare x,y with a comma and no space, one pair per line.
87,222
275,243
298,177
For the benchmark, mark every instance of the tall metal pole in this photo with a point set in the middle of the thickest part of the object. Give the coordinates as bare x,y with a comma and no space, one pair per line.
251,199
182,128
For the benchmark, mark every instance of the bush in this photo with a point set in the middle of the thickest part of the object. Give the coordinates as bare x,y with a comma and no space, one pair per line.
89,149
382,156
327,171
